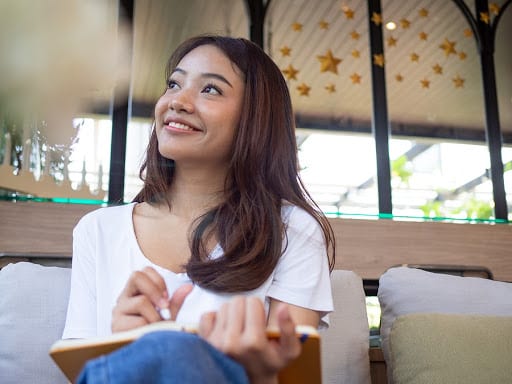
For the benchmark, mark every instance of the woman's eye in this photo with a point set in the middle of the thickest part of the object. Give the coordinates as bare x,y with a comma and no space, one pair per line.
171,84
212,89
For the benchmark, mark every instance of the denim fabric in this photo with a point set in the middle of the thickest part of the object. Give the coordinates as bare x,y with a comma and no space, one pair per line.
164,357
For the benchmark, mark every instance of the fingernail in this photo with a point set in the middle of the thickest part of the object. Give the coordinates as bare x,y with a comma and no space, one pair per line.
163,303
165,313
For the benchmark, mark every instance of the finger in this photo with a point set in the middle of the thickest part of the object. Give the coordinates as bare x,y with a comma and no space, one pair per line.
255,315
234,324
216,337
206,324
157,279
178,298
254,338
137,306
146,283
127,322
289,342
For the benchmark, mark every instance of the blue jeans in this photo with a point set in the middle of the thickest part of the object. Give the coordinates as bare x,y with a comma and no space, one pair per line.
164,357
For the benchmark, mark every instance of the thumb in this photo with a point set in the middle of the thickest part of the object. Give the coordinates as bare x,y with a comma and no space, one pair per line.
178,299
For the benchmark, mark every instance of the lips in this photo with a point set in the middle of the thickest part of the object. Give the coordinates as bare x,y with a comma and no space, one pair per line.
179,125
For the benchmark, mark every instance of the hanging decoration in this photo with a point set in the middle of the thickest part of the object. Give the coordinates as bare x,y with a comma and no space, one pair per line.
285,51
303,89
376,18
356,78
329,63
331,88
323,24
417,23
290,72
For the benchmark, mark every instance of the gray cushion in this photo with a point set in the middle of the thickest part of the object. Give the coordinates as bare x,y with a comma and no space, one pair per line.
33,305
345,343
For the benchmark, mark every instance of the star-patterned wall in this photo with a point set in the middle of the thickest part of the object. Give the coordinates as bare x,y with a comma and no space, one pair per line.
430,58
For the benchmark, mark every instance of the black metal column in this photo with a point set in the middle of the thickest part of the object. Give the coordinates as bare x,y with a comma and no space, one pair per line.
492,116
120,116
257,10
380,123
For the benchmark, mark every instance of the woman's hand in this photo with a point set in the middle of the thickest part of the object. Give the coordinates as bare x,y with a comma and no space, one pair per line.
143,296
239,330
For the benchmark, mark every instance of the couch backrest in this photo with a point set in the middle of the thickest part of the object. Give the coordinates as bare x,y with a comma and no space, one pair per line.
345,343
33,308
33,305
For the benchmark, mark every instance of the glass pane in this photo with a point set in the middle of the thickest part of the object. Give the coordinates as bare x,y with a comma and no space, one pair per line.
322,49
503,62
434,88
159,28
56,60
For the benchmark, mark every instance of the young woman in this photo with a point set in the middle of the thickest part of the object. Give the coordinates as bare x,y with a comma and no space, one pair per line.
223,233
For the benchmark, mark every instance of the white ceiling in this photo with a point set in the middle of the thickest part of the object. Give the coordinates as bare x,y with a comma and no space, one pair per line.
159,25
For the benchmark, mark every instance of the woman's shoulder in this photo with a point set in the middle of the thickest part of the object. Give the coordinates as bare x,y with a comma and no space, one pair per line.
106,215
294,215
298,220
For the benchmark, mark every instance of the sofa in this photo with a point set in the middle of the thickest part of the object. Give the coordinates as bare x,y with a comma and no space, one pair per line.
33,309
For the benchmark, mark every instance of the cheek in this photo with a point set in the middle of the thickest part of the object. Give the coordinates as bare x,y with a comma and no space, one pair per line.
160,107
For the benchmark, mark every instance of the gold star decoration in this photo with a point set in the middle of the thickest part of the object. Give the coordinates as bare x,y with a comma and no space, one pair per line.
414,57
438,70
392,41
290,72
356,54
376,18
378,59
484,16
303,89
331,88
329,63
323,24
285,51
423,36
399,78
349,13
468,32
448,47
354,35
356,78
425,83
423,12
494,8
458,82
405,23
462,55
297,27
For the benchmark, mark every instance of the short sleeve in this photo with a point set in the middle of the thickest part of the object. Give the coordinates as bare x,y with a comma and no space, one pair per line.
301,276
81,313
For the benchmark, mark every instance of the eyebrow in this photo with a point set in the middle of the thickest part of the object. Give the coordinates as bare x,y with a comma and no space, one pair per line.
206,75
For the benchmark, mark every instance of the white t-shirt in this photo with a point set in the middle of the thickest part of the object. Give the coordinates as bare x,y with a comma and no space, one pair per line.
106,252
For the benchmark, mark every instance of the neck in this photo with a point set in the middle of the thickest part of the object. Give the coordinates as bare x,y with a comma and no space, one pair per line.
195,191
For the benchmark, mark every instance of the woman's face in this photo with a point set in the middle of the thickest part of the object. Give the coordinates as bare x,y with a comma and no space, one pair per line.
198,114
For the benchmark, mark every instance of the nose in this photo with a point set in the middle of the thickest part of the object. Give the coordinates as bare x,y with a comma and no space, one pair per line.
181,102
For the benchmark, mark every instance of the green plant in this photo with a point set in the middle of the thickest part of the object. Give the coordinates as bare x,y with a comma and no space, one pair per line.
399,168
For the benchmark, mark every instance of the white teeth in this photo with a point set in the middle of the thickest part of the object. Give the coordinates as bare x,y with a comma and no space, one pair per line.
184,127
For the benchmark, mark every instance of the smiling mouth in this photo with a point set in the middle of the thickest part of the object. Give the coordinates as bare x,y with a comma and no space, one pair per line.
180,127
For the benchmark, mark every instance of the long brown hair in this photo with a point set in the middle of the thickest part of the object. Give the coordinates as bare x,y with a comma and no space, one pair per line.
262,175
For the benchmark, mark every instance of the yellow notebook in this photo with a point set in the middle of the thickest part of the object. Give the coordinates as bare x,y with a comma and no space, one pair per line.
71,355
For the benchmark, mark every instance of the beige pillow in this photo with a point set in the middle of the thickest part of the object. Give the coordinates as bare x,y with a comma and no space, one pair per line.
447,348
